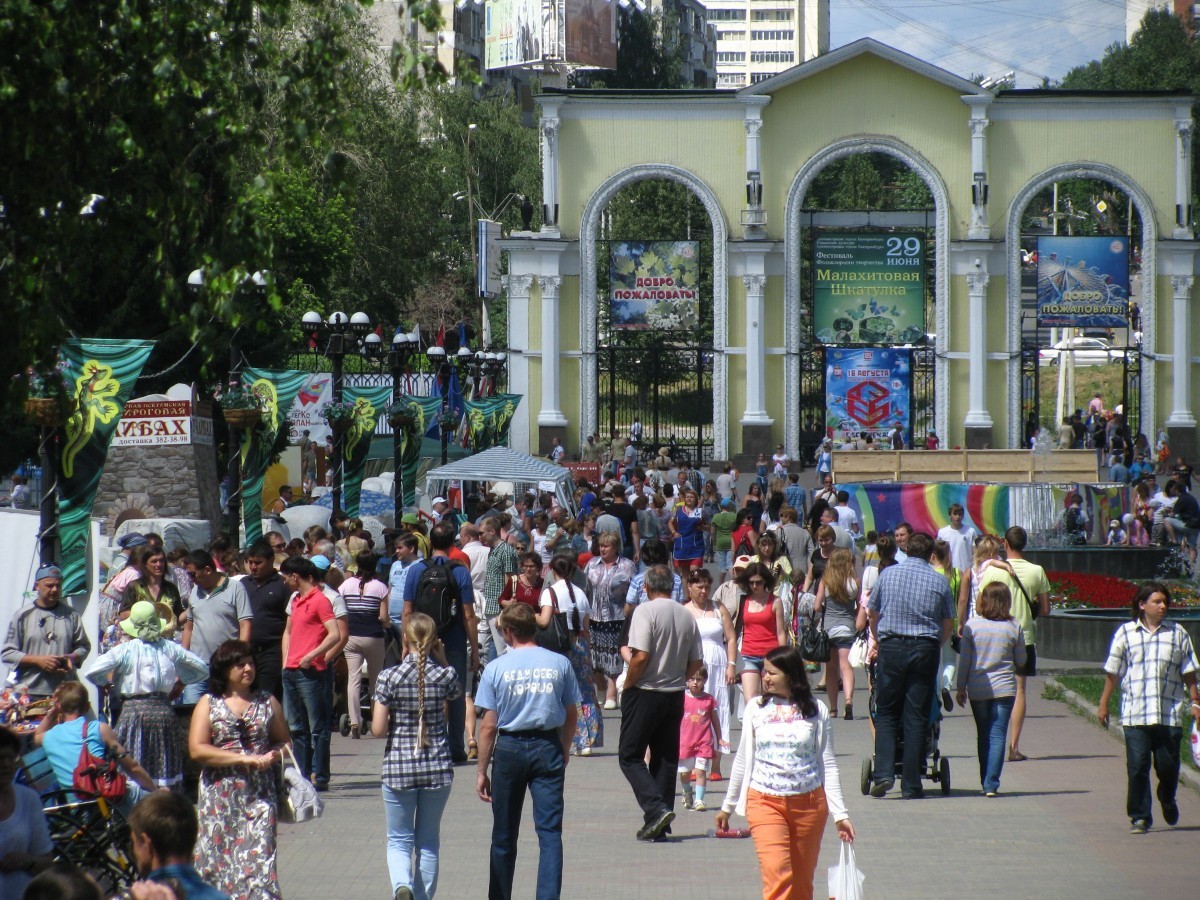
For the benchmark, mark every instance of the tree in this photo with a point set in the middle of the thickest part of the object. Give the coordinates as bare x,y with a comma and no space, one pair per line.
650,54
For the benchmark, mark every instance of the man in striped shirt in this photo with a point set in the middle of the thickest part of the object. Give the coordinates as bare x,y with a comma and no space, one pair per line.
1153,660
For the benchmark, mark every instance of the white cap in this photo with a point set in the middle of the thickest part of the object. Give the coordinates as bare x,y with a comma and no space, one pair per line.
437,500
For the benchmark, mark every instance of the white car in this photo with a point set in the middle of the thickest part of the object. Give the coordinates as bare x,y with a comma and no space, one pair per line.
1088,352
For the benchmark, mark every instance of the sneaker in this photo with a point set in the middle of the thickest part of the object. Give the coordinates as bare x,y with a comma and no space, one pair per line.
879,788
403,893
586,751
689,794
321,786
1170,813
1139,826
991,794
947,701
699,806
610,704
658,827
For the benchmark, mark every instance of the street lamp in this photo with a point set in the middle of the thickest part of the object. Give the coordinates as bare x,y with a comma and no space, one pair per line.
441,370
404,345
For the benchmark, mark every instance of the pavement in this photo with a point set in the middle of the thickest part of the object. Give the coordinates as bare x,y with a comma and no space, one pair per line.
1057,830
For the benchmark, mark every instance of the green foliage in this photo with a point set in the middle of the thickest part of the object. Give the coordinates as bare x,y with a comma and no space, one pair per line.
868,181
649,54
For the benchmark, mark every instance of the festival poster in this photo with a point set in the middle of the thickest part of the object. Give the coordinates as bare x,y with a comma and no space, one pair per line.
867,391
868,287
1083,282
655,284
305,414
104,373
369,404
881,507
276,391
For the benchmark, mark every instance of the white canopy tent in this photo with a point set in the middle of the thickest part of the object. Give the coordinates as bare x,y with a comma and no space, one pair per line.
502,464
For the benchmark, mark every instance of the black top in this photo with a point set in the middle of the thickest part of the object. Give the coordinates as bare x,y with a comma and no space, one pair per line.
268,602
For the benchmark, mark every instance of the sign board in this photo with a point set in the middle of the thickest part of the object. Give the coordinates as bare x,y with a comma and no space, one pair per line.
305,414
1083,282
161,423
512,33
655,284
868,287
487,272
867,390
591,27
588,470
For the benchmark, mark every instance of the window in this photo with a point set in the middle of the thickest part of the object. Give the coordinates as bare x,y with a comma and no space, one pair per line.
772,15
725,56
726,15
780,35
773,56
756,77
731,35
731,79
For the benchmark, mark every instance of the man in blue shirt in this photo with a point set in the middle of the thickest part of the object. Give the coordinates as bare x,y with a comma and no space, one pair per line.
459,635
912,614
163,830
530,697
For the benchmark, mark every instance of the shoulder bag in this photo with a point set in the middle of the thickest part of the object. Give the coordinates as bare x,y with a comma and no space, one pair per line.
298,799
1034,609
95,776
556,636
814,639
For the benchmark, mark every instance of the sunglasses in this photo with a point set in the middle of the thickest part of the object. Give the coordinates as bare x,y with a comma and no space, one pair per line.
754,581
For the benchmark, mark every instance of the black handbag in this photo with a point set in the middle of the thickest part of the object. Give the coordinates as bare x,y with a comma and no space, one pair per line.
556,636
814,639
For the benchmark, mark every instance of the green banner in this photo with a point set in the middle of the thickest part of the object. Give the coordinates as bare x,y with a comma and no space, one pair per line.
504,417
425,410
481,419
369,405
104,373
276,392
868,288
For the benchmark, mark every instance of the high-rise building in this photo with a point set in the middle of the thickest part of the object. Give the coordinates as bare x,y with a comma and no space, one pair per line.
760,38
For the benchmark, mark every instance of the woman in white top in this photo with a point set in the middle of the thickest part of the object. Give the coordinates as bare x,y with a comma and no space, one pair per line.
563,596
785,778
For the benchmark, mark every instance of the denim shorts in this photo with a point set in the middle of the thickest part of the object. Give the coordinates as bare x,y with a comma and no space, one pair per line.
752,664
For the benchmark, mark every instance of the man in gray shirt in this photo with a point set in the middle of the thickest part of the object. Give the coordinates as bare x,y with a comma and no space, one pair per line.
46,641
664,645
220,612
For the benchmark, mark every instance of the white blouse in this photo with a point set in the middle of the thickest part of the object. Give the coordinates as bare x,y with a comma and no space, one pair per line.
784,754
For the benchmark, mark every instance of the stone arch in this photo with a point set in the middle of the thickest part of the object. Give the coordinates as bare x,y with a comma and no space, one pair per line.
1145,208
588,305
840,149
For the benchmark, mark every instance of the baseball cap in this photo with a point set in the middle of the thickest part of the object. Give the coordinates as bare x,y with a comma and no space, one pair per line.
741,562
437,500
133,539
47,571
410,519
321,562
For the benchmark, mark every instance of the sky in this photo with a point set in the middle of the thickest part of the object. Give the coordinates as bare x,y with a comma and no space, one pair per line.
1034,38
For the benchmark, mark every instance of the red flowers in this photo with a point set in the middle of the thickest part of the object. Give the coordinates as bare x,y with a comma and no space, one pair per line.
1073,589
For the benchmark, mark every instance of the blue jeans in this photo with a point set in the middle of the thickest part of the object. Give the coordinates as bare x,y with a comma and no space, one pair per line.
456,718
536,763
192,693
991,735
306,704
414,820
1145,744
907,672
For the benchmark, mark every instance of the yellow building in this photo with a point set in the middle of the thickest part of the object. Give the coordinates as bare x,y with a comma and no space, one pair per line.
983,156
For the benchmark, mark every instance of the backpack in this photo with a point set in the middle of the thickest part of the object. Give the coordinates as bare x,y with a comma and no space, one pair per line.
437,594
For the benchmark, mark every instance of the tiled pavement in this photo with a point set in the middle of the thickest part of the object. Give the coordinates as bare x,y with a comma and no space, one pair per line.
1058,830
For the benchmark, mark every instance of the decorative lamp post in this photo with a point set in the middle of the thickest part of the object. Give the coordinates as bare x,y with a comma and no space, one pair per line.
441,368
404,346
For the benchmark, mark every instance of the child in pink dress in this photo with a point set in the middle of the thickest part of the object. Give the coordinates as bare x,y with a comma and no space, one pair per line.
696,732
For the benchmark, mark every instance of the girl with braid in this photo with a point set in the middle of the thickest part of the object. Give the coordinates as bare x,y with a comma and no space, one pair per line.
410,711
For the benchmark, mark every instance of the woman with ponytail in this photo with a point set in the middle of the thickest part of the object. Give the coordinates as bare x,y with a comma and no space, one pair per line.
409,710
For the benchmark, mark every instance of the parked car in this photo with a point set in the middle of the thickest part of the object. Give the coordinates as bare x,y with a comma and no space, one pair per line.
1088,352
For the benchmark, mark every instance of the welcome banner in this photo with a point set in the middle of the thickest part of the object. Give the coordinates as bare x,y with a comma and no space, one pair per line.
655,284
276,391
104,373
369,404
1083,282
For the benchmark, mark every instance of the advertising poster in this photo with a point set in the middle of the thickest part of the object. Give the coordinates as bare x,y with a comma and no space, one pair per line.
305,414
512,33
655,284
867,390
591,33
1083,282
868,288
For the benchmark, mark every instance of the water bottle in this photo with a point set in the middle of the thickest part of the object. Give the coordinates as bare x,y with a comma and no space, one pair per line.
729,833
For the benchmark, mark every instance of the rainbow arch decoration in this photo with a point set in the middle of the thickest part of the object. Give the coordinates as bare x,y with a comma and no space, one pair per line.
881,507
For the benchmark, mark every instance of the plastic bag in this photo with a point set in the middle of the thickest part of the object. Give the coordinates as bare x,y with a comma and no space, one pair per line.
1196,743
845,880
858,652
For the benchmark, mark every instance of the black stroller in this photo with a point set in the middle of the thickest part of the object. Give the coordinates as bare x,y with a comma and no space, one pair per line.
936,768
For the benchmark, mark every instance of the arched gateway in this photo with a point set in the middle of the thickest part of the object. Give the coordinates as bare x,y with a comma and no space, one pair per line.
751,157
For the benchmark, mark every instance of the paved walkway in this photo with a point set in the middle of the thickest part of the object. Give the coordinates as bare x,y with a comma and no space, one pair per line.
1058,830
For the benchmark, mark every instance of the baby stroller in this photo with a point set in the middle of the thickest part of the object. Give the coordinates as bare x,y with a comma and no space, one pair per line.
937,767
392,655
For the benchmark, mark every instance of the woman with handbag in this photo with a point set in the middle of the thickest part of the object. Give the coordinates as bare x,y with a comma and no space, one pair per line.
237,734
760,625
525,587
785,778
146,671
837,604
563,598
410,711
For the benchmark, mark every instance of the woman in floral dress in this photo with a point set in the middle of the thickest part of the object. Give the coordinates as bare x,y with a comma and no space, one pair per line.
237,732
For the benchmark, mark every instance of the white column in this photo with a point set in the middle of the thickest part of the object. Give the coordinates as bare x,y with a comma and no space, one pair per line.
1183,178
979,228
1181,385
518,361
977,412
550,413
549,129
756,346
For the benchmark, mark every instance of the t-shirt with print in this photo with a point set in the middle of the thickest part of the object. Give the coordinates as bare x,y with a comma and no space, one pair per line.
309,614
215,616
1033,578
667,631
529,688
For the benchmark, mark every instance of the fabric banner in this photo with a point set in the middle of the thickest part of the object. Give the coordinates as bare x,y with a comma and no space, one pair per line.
369,404
1083,282
868,287
867,391
104,374
482,417
425,410
505,416
881,507
276,391
655,284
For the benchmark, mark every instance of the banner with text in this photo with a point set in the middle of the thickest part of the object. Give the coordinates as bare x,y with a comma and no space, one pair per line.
276,391
305,414
104,373
1083,282
868,288
867,391
655,284
369,404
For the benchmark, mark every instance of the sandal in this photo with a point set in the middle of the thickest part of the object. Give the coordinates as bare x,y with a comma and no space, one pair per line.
472,750
1016,756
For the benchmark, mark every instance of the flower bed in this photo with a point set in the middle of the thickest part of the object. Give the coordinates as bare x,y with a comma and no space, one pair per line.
1076,590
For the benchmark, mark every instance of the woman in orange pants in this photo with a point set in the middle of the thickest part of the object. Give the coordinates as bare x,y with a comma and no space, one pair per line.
785,779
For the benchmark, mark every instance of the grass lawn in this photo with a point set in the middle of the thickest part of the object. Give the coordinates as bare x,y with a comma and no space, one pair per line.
1089,687
1088,379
